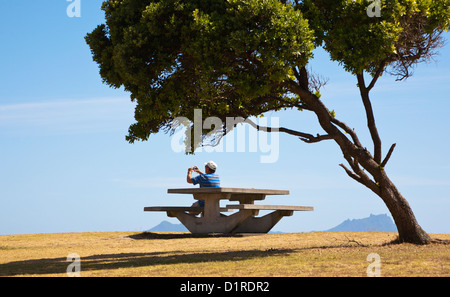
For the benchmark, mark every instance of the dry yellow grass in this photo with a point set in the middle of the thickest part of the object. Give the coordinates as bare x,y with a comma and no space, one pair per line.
178,254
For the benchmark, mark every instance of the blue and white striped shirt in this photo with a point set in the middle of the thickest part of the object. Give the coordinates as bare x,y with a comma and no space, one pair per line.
208,180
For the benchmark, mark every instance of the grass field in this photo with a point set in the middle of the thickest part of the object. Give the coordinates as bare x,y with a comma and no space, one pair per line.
181,254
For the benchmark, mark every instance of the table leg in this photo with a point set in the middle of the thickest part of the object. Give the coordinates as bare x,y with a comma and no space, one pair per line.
263,224
212,224
212,209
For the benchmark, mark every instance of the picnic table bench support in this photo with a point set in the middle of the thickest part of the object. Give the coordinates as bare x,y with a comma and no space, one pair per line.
265,223
262,224
212,221
218,224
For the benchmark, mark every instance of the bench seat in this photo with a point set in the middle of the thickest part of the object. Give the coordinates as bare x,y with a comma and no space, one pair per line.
270,207
265,223
181,208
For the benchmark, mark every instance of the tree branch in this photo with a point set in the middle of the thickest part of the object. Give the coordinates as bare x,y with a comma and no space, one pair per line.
348,130
388,156
359,175
377,76
351,174
370,117
303,78
308,138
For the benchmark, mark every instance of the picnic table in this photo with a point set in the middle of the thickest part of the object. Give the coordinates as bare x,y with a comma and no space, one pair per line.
213,218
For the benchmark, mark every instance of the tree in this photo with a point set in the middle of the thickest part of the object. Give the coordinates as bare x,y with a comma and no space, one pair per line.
241,58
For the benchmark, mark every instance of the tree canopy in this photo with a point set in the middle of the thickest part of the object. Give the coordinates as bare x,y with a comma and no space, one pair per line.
233,57
407,32
225,57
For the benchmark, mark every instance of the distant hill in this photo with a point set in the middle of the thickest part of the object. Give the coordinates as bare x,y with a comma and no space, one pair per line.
374,223
166,226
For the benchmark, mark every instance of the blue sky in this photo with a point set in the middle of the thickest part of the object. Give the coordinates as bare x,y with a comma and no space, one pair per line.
65,165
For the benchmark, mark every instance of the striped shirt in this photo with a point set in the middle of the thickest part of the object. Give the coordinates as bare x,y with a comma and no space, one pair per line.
208,180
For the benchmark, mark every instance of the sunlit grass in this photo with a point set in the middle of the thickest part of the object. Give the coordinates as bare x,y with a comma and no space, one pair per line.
180,254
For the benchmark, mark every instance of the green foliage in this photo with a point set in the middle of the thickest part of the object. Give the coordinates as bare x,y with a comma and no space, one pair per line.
360,42
225,57
232,57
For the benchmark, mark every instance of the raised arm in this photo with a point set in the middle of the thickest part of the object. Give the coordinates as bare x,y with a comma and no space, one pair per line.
189,175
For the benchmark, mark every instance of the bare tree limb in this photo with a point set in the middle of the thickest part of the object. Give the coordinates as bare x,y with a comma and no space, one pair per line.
351,174
317,81
359,175
377,76
348,130
391,150
414,45
370,117
309,138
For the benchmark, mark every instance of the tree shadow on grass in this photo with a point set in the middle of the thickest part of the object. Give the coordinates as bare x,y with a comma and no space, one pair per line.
180,235
128,260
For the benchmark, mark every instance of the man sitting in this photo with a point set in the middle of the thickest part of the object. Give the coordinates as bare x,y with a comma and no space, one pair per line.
209,179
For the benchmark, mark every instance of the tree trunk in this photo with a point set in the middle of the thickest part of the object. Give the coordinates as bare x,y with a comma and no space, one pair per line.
408,228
